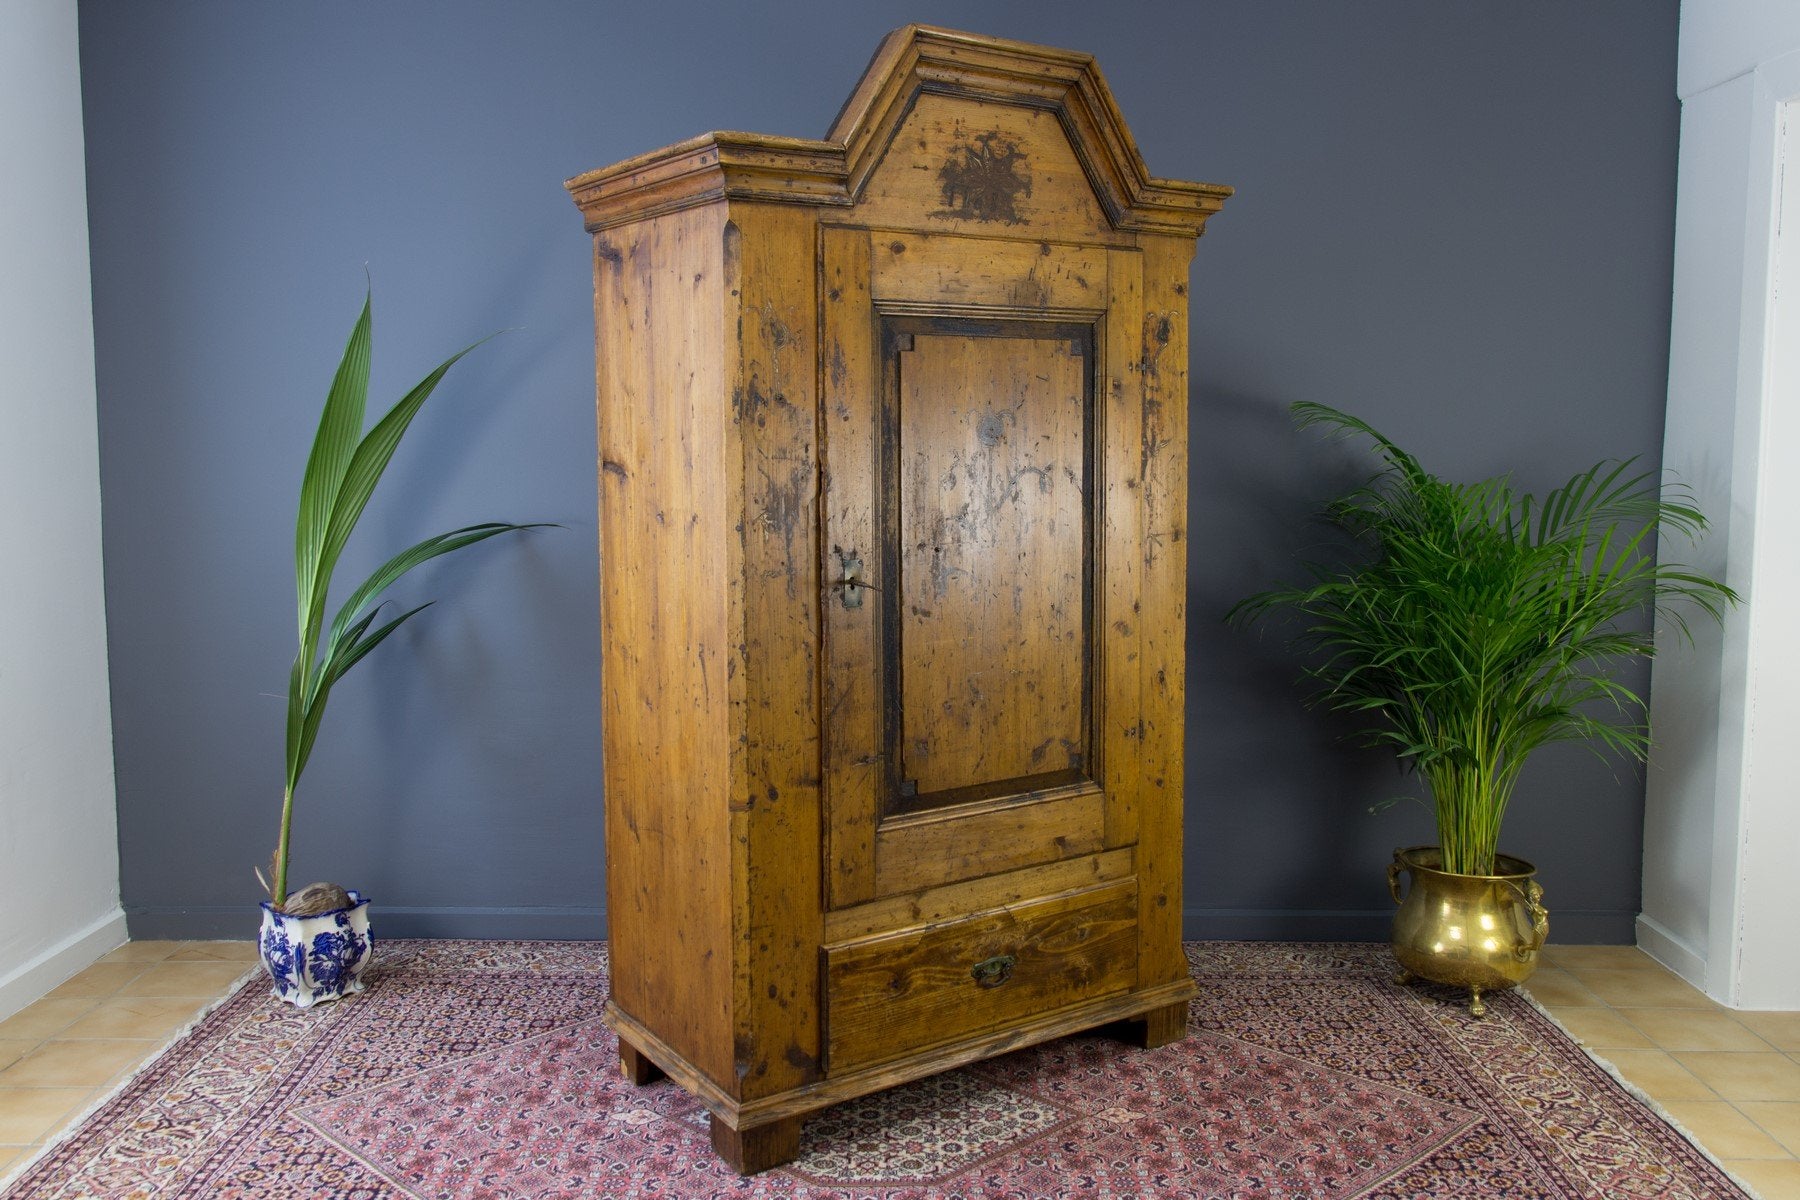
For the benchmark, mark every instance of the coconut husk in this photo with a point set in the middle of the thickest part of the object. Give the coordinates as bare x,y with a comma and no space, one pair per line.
316,898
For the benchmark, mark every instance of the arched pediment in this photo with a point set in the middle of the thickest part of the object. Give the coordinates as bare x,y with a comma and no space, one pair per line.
966,115
973,131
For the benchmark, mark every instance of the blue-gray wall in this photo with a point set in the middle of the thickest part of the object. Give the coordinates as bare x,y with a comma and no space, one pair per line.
1454,220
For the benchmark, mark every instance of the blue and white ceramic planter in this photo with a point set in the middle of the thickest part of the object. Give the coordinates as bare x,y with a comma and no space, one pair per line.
320,957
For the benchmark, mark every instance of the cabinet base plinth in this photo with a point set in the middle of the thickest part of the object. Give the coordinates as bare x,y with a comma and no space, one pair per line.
636,1066
771,1134
1158,1027
748,1151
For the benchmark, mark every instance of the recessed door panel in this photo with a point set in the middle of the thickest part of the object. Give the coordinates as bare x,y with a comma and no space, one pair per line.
981,662
988,644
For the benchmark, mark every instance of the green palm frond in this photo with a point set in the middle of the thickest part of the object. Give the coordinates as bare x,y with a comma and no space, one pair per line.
1484,623
341,473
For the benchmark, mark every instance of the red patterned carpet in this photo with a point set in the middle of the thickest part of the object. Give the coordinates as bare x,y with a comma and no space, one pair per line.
479,1069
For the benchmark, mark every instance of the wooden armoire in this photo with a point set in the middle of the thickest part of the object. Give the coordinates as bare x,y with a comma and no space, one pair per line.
893,566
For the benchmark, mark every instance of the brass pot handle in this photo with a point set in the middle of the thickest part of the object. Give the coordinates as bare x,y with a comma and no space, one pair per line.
1533,896
1394,869
992,972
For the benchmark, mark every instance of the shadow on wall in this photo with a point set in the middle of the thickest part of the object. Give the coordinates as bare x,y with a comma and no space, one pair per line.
1279,798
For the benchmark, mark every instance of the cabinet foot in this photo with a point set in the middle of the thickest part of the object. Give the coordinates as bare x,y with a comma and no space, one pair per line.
635,1066
750,1151
1158,1027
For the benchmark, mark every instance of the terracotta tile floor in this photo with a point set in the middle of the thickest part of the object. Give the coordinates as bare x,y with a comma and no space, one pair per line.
1730,1078
60,1055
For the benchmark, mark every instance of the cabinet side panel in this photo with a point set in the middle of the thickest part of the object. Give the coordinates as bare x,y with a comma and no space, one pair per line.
771,263
665,525
1163,371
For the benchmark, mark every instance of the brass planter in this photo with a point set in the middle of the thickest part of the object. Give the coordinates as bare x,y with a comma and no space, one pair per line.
1481,932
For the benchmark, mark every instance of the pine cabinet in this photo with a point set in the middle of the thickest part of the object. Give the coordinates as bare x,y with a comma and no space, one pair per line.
892,475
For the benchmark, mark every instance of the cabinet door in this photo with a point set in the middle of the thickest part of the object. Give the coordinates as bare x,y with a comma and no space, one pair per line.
973,601
986,525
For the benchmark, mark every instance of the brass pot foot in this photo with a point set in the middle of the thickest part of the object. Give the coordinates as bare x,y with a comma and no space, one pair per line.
1477,1006
1403,977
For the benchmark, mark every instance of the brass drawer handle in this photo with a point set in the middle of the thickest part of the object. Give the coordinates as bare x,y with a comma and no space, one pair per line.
993,972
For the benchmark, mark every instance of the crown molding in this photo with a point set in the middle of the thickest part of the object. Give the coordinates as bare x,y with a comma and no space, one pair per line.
911,60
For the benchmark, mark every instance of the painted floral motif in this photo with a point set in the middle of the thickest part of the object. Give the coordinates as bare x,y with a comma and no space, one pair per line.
278,957
984,179
317,958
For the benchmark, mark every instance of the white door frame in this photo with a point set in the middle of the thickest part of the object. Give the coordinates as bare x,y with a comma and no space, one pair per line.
1723,800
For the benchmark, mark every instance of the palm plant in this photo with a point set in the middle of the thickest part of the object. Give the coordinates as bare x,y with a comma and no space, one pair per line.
1484,623
341,474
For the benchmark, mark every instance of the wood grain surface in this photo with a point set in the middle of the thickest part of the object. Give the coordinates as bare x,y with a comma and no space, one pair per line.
770,353
666,518
993,536
854,766
893,994
977,167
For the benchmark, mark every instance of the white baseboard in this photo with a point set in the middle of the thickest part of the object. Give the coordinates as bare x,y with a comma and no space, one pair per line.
55,965
1659,943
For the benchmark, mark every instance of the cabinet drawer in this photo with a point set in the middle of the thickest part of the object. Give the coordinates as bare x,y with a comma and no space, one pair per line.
889,995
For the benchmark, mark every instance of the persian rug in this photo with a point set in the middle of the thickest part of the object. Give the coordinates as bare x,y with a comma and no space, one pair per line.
476,1070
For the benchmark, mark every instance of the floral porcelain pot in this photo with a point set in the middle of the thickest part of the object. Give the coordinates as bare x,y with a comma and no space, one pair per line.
318,957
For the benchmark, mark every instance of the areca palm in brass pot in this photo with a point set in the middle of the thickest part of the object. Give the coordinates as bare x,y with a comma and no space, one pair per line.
1480,932
1469,625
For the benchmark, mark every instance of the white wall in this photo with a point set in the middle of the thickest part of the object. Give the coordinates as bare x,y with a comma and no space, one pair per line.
1768,888
59,858
1722,808
1723,39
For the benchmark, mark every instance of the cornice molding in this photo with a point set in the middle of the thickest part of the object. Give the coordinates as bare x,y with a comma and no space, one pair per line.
911,60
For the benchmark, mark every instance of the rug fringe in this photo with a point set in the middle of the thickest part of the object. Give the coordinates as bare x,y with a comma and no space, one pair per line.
1639,1094
11,1174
